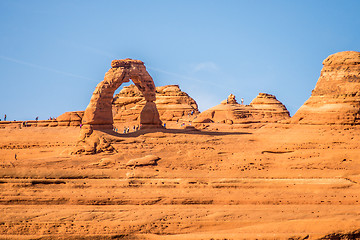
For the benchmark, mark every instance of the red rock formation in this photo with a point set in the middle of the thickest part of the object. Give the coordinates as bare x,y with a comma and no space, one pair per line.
171,102
336,97
268,108
70,118
264,108
98,114
149,116
230,100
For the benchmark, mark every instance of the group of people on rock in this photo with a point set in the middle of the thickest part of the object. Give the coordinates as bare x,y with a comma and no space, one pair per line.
4,118
127,129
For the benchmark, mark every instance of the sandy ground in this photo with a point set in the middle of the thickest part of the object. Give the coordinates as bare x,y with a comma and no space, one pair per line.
275,181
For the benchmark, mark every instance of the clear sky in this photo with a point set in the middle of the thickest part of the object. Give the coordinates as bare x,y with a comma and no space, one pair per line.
54,53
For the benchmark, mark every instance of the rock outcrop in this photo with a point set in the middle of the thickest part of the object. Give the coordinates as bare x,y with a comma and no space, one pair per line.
171,102
336,97
130,105
98,114
230,100
70,118
268,109
264,108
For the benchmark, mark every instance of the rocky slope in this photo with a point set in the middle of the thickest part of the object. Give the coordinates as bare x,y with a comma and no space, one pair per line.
264,108
336,97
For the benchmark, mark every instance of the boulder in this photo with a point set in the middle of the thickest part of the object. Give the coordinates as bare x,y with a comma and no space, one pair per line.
336,97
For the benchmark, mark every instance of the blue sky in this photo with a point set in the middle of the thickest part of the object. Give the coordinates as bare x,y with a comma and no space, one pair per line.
54,53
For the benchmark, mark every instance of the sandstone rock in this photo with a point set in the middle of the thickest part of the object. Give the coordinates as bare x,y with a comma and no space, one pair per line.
268,108
98,114
104,162
230,100
139,173
144,161
149,116
70,118
264,108
336,97
171,102
91,142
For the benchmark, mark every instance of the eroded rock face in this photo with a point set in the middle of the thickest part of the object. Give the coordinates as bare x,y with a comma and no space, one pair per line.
230,100
70,118
264,108
98,114
149,115
268,108
336,97
171,102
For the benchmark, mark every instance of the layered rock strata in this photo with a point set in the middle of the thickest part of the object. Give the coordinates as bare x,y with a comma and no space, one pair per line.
268,109
171,102
336,97
264,108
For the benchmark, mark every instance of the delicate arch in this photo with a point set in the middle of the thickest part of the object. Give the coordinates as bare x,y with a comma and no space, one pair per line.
98,114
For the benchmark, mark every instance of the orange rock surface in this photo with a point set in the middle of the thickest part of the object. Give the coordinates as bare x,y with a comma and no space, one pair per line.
70,118
264,108
98,114
171,102
336,97
259,180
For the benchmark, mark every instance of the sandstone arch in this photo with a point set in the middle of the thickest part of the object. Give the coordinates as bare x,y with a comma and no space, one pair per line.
98,114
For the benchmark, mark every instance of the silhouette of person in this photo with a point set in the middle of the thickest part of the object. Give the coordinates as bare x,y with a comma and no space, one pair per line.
242,101
5,117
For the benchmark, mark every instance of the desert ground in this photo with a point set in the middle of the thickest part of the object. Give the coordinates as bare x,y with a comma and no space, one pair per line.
215,181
